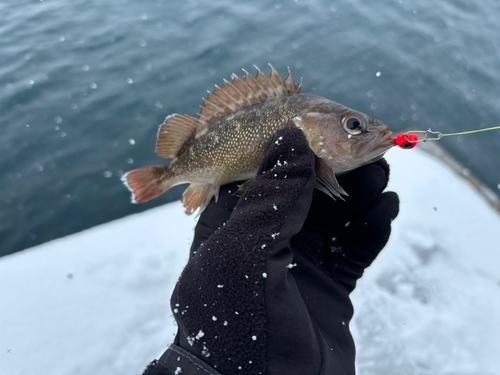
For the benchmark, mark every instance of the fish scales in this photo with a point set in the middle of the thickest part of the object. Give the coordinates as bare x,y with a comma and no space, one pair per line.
227,142
234,144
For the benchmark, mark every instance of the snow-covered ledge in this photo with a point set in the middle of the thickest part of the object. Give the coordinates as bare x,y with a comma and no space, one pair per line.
97,302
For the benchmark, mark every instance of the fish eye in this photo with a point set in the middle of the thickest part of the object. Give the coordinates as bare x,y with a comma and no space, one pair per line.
353,124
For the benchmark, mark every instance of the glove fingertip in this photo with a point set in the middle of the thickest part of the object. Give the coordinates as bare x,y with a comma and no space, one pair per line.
384,210
391,200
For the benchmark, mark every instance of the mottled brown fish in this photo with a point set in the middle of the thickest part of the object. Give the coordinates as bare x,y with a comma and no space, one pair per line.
226,142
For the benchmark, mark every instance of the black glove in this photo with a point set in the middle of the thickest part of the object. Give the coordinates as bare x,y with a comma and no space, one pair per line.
264,292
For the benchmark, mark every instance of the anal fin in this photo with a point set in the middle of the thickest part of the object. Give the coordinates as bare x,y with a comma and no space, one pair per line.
326,181
197,195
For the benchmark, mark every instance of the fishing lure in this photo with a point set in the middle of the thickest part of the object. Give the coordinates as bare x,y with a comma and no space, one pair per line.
411,138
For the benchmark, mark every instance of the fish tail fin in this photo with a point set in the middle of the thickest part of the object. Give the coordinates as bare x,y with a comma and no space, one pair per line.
147,183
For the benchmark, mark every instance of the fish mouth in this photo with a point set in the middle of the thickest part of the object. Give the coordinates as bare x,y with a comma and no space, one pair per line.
378,146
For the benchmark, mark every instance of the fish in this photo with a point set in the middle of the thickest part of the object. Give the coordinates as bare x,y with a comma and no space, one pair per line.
226,143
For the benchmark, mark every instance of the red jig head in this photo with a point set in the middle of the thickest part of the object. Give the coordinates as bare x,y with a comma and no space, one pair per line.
406,141
409,139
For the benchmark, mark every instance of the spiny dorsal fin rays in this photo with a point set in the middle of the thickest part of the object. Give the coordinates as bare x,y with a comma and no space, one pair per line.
208,108
290,84
215,104
241,93
266,83
246,89
242,89
277,81
257,89
225,98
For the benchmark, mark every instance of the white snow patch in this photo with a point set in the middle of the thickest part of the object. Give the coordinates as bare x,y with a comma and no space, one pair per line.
254,338
178,371
264,275
275,207
432,293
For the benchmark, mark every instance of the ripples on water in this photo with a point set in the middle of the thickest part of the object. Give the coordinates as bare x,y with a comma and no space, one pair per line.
84,85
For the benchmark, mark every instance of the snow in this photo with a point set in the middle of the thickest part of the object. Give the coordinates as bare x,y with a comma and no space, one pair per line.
97,302
112,316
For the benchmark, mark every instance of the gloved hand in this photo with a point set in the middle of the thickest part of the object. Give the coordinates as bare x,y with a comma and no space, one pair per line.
266,291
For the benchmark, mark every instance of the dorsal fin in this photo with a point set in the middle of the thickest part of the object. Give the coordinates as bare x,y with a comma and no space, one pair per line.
173,133
240,93
243,93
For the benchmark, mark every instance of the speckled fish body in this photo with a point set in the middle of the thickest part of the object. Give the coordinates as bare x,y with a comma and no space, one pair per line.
227,142
231,148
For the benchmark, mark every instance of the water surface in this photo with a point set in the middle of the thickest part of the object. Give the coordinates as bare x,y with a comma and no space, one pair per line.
85,84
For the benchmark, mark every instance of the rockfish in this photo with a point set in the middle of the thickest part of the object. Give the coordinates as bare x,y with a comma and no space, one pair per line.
226,142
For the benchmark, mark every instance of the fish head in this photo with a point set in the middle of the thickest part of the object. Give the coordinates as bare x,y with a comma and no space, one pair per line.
345,139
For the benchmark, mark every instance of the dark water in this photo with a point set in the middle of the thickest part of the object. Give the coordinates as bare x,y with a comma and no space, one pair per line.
85,84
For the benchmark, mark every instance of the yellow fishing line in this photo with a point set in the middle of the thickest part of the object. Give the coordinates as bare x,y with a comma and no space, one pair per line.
471,132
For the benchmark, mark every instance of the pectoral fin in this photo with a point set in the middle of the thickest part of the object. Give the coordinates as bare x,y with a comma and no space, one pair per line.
326,181
243,187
